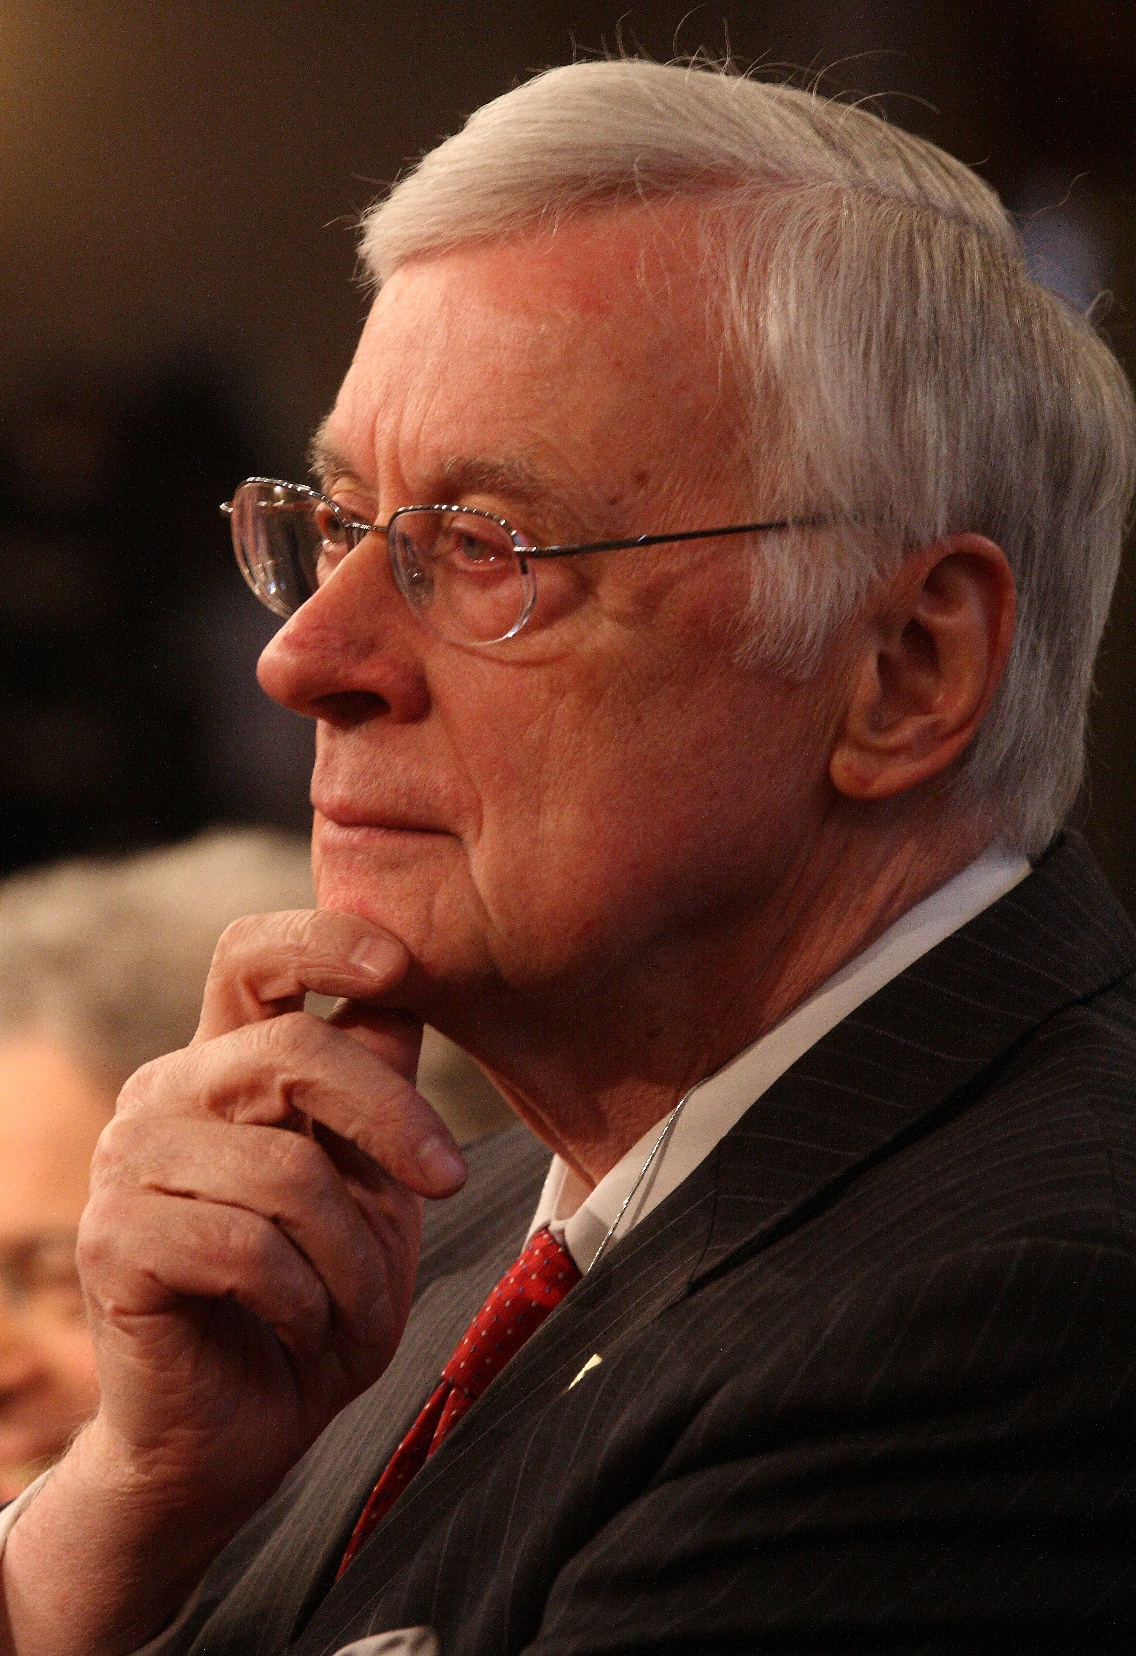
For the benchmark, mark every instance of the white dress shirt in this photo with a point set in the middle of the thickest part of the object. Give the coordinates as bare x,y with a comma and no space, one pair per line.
581,1219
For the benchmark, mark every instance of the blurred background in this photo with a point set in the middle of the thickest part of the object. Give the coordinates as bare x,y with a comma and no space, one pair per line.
179,187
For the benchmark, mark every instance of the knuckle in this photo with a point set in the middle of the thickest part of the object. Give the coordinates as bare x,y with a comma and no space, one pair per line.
173,1082
90,1242
253,1244
251,934
304,1031
327,937
98,1239
293,1038
113,1149
112,1141
261,1259
298,1161
142,1085
235,939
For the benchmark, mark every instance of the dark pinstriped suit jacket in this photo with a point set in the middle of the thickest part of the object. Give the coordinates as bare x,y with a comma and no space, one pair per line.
867,1377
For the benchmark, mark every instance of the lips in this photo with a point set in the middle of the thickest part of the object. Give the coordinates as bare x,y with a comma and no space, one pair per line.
375,791
358,819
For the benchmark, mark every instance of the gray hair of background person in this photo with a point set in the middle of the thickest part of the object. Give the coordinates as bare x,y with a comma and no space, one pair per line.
900,369
108,959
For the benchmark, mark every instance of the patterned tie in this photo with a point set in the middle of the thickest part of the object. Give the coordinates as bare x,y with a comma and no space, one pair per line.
528,1291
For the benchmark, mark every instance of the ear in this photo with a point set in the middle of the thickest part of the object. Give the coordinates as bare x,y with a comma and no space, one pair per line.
936,640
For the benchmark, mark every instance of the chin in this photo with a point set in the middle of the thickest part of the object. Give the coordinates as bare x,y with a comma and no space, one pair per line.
409,895
400,902
374,871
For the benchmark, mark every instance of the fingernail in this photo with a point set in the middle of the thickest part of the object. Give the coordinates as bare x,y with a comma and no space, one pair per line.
384,956
440,1163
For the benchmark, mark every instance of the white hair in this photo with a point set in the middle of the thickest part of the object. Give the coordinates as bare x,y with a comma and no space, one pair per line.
901,369
108,958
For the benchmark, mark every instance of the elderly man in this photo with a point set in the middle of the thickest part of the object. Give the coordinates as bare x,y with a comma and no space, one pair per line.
680,756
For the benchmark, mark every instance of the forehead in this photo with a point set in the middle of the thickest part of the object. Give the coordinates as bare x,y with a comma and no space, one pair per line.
591,348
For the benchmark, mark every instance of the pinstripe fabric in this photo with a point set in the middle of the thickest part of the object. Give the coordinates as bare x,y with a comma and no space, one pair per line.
867,1377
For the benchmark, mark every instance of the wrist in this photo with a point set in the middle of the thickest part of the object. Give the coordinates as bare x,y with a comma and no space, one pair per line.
89,1569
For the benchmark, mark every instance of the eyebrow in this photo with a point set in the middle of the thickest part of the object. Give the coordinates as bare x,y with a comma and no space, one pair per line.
325,460
509,477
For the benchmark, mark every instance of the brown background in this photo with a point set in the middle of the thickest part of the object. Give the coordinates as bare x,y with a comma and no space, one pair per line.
179,183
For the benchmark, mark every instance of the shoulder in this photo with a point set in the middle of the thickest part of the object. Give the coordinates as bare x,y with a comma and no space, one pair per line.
994,1250
1040,1149
1045,1145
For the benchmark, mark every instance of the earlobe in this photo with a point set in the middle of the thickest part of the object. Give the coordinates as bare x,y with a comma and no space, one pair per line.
936,639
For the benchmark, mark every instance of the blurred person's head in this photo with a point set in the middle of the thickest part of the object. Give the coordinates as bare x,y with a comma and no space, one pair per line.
102,965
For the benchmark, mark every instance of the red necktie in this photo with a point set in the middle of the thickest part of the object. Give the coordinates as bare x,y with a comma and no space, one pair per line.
528,1291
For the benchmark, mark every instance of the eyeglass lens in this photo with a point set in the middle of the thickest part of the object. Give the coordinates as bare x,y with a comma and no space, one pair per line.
460,572
277,538
457,568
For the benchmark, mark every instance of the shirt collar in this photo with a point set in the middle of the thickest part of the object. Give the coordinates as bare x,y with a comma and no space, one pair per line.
580,1219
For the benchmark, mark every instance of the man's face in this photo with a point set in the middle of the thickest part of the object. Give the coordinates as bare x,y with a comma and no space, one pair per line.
610,783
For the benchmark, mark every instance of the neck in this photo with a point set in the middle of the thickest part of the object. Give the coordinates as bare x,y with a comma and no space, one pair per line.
591,1069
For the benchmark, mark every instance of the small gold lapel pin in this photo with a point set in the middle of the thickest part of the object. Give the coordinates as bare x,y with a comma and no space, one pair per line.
593,1361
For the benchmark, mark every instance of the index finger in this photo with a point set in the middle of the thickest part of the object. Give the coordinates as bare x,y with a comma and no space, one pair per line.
266,963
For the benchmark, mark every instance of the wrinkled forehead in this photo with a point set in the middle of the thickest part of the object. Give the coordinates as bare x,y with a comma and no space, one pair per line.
593,346
634,270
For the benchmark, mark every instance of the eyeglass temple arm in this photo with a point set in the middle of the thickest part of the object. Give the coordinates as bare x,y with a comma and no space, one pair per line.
663,540
362,529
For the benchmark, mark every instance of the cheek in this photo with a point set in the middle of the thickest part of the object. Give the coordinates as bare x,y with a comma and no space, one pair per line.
70,1352
62,1392
634,814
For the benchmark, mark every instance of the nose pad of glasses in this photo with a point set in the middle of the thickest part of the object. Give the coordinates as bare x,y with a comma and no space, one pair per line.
528,595
413,577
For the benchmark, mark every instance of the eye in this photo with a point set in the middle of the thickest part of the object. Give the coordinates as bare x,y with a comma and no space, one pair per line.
333,539
332,528
473,544
476,549
40,1277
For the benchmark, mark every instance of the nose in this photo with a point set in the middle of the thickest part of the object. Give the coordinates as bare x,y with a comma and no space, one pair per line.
352,652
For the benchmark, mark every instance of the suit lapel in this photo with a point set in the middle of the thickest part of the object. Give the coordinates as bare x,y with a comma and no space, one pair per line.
910,1056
